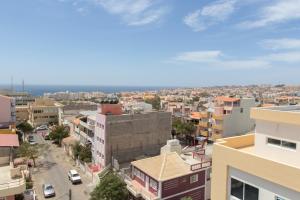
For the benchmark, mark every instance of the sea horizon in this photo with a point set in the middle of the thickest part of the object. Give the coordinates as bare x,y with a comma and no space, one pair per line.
40,90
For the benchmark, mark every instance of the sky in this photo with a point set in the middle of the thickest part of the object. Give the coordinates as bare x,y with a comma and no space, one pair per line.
150,42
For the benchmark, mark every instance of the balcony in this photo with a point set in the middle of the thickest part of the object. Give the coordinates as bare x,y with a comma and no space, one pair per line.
138,190
217,126
12,181
203,124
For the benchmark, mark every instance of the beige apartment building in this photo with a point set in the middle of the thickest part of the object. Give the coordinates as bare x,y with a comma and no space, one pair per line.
22,114
263,165
227,117
44,111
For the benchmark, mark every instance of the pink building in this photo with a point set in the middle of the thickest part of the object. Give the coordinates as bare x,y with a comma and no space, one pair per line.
7,111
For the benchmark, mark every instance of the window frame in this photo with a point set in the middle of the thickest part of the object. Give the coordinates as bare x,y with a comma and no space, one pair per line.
244,186
281,143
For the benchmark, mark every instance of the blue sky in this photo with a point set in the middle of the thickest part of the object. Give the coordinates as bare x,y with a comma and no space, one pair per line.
150,42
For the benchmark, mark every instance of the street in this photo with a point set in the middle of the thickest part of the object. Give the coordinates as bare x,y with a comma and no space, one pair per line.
52,167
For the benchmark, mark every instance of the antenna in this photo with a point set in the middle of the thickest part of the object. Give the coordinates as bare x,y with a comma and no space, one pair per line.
23,86
12,83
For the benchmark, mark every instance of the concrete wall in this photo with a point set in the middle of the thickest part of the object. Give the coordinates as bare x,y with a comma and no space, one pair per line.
282,131
7,110
129,136
239,122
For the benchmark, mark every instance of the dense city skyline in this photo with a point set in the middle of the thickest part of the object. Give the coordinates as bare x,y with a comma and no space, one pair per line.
150,43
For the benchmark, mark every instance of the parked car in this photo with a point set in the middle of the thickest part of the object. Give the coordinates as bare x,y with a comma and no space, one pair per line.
48,190
74,176
31,140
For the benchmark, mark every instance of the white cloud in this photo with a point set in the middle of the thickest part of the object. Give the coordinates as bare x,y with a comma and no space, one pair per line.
198,56
283,43
134,12
287,57
209,15
216,59
281,11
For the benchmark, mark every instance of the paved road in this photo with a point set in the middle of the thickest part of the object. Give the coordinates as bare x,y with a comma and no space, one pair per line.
52,167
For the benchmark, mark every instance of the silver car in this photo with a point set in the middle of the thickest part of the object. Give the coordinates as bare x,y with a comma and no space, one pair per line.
48,190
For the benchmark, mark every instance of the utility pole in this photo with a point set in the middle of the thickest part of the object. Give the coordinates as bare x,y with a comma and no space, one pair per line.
70,194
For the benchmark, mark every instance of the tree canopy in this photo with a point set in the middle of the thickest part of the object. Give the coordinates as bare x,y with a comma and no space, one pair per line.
59,133
155,102
110,188
83,153
31,151
25,127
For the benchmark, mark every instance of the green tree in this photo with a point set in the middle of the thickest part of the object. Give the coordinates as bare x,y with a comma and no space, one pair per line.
31,151
76,149
25,127
110,188
85,155
155,102
59,133
183,128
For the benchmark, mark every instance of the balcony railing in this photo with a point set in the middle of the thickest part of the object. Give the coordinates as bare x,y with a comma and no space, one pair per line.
12,184
217,126
201,165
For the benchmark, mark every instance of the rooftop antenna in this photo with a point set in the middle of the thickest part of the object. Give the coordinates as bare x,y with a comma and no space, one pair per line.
23,86
12,83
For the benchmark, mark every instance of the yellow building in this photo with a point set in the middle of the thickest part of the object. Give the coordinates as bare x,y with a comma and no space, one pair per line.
263,165
44,111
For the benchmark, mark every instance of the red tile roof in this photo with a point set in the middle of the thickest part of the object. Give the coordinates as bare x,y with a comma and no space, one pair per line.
227,99
9,140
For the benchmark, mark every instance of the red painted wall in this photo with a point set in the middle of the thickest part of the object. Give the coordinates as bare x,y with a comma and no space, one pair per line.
181,184
197,194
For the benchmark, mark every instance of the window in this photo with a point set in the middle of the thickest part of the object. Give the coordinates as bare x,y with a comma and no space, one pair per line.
194,178
290,145
251,193
279,198
237,188
153,184
282,143
274,141
243,191
241,110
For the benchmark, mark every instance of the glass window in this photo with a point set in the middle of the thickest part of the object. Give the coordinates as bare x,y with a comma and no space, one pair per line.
290,145
274,141
251,193
237,188
279,198
194,178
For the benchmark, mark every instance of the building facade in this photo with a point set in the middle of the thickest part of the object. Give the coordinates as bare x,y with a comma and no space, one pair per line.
227,117
171,175
7,112
44,111
263,165
127,136
12,180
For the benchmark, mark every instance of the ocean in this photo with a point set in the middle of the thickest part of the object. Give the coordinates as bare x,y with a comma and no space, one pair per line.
39,90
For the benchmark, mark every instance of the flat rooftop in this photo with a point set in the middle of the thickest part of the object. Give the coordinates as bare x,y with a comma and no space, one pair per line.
277,114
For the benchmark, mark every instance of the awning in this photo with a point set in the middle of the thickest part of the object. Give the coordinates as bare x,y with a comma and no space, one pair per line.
9,140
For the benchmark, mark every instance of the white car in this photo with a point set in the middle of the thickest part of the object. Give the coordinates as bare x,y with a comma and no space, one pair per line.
74,176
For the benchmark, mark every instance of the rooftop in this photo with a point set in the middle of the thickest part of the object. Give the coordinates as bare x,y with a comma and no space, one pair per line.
279,114
163,167
9,140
